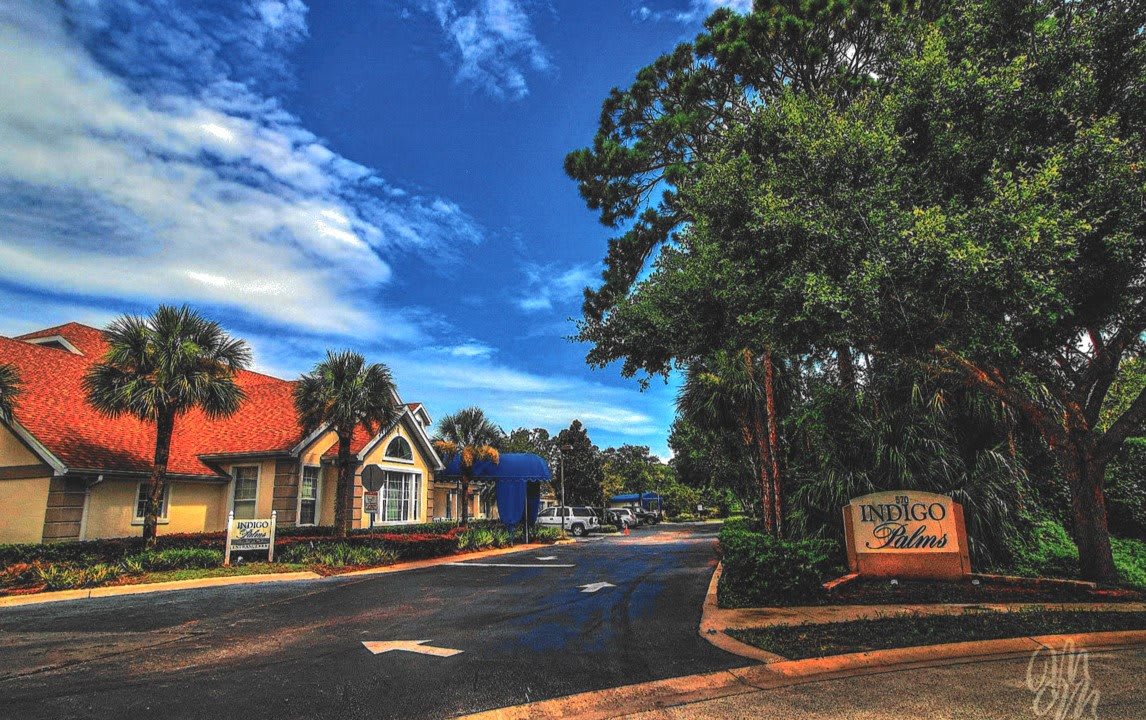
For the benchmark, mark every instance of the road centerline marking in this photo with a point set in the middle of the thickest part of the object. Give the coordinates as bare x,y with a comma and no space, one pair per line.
510,565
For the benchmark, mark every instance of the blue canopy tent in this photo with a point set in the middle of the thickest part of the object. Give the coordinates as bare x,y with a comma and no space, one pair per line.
646,501
517,477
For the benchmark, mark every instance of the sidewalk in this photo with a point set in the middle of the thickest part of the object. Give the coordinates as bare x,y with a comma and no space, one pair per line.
793,688
144,588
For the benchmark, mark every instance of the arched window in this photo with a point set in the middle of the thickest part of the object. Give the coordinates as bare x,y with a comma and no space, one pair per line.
399,449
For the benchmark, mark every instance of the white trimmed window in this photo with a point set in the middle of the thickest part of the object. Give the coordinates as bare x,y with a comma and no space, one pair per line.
308,496
400,499
399,449
246,494
141,502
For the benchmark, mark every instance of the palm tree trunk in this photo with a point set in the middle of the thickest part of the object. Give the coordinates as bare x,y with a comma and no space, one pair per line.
773,441
344,496
463,501
156,483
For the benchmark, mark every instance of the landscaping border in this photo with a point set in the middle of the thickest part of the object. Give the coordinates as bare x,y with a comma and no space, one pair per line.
144,588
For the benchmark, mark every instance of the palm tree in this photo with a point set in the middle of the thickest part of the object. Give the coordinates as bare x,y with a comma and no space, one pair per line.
729,390
471,436
9,389
343,393
160,367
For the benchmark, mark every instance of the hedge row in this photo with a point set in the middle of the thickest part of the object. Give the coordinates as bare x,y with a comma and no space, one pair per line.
761,571
411,542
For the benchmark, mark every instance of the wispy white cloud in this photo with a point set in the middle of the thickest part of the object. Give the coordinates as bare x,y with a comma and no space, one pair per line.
695,11
182,183
548,285
470,349
492,43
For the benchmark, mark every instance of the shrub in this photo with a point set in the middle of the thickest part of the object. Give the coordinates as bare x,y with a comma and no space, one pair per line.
174,559
476,539
760,570
1126,490
336,554
1130,559
546,535
1048,551
65,577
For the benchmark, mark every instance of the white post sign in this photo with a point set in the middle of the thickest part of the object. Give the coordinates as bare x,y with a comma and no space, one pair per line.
370,503
247,535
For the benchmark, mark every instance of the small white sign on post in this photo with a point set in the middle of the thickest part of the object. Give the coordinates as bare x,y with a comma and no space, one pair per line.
370,503
247,535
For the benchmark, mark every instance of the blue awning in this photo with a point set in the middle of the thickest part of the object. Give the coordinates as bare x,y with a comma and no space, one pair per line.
515,475
634,497
515,467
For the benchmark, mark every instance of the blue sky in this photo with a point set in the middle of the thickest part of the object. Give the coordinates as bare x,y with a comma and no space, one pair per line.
379,175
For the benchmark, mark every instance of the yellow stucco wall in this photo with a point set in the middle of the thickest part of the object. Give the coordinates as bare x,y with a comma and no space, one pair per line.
192,507
420,464
13,451
25,502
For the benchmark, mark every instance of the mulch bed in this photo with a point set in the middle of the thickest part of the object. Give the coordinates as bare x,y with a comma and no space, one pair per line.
882,592
810,641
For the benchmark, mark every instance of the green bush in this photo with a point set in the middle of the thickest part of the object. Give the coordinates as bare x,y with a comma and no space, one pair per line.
476,538
173,559
1051,552
761,571
336,554
546,535
66,577
1130,559
1048,551
1126,490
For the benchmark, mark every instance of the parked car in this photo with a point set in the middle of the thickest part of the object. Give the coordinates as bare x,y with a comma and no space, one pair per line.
623,517
648,517
579,521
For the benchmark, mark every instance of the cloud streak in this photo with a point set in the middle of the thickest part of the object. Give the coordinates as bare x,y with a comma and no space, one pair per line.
492,43
185,183
696,11
548,285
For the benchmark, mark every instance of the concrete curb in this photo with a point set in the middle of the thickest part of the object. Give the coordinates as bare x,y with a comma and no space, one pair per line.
712,627
144,588
660,694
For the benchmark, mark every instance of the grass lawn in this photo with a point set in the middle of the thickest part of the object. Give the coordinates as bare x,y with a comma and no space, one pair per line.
809,641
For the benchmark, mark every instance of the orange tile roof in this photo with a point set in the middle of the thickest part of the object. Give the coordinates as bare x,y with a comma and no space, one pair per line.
51,407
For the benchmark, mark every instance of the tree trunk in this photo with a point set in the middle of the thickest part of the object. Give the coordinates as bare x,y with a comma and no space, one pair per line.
344,495
157,482
847,367
463,501
1084,475
773,441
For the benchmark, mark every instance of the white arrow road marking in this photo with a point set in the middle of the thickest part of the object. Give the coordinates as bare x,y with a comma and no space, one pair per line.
516,565
594,587
415,646
548,557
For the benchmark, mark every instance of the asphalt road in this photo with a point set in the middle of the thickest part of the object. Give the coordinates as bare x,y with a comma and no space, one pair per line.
295,650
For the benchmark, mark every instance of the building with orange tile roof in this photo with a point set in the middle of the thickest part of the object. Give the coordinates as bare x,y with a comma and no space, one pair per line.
70,473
